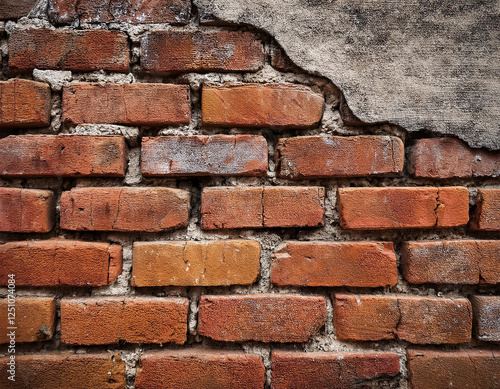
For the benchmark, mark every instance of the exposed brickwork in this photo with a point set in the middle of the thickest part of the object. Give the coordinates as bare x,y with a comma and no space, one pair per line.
280,60
487,216
13,9
486,314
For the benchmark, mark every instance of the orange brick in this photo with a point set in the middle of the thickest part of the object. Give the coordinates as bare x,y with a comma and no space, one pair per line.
487,216
486,317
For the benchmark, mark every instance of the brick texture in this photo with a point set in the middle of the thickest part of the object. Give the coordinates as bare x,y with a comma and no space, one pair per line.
261,105
108,320
216,155
388,208
337,156
210,263
280,60
486,317
451,262
487,216
62,155
13,9
200,369
263,318
124,209
361,264
197,51
60,262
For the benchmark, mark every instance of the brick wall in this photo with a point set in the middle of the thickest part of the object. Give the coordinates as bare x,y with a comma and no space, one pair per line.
182,207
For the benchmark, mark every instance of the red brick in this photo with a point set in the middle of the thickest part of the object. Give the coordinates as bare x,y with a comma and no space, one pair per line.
60,262
80,51
124,209
280,60
108,320
209,263
51,370
197,51
109,11
361,264
451,262
487,216
451,158
318,370
26,210
200,155
285,206
261,317
13,9
63,155
138,104
438,369
200,369
411,318
486,317
34,319
387,208
261,105
339,156
24,103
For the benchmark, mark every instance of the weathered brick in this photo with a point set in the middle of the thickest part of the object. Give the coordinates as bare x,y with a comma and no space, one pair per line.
197,51
200,369
487,216
486,317
26,210
200,155
412,318
339,156
261,105
80,51
109,11
280,60
451,262
34,319
138,104
386,208
51,370
261,317
13,9
438,369
449,158
124,209
209,263
361,264
24,103
108,320
63,155
319,370
264,207
60,262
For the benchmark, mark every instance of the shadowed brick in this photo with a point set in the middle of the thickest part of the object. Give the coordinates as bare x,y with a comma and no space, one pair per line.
486,317
487,216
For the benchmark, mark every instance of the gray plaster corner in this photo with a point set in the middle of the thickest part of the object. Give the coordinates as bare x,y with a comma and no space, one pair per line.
423,65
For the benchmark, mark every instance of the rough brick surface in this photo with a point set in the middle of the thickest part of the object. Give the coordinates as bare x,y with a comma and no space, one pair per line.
387,208
195,51
439,369
264,207
210,263
200,369
216,155
63,155
261,105
451,262
51,370
80,51
13,9
124,209
138,104
60,262
24,103
338,156
361,264
449,158
34,319
280,60
263,318
26,210
109,11
108,320
319,370
412,318
487,217
486,317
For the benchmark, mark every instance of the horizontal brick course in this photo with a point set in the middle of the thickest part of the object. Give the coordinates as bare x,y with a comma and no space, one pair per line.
486,317
487,215
13,9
